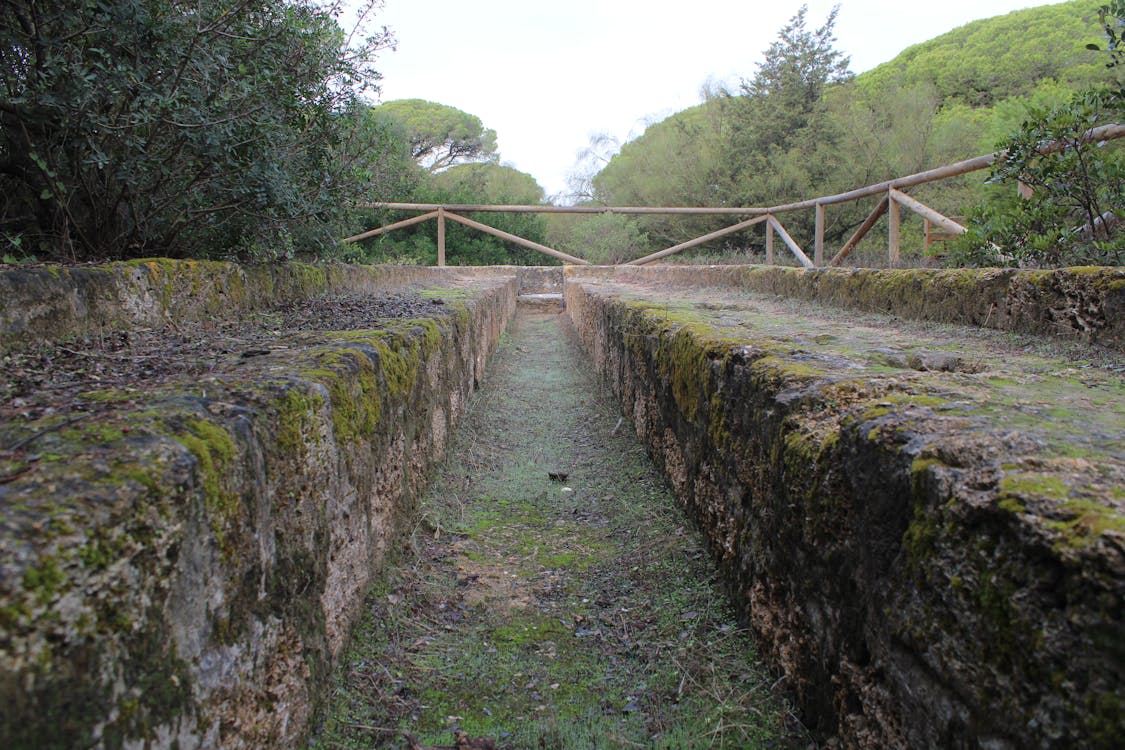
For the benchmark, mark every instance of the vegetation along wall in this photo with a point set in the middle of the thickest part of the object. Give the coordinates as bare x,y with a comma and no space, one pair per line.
924,568
181,565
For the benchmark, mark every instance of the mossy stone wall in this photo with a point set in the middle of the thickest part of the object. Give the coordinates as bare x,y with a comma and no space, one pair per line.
54,302
920,577
182,571
1082,303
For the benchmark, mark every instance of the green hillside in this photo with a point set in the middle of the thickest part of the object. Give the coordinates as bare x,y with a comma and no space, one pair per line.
992,59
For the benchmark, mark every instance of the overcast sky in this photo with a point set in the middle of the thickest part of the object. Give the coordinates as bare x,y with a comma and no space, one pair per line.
548,74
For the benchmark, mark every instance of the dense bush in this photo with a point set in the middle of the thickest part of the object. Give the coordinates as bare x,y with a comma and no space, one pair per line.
172,127
1075,213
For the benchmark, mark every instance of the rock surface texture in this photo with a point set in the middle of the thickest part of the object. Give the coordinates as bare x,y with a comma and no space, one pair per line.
925,525
180,567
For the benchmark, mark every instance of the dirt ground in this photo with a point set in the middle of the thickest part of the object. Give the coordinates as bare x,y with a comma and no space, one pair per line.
556,596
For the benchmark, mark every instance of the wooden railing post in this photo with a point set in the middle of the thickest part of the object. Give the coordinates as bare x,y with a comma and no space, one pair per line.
818,242
769,241
894,230
441,237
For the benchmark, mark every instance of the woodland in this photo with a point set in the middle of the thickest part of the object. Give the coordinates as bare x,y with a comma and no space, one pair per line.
247,130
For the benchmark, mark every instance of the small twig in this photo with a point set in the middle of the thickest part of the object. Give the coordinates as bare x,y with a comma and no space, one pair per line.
13,477
369,728
20,444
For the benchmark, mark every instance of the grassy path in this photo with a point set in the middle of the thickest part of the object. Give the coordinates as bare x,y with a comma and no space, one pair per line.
546,612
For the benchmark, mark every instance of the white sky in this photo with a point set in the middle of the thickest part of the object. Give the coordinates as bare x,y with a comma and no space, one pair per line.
548,75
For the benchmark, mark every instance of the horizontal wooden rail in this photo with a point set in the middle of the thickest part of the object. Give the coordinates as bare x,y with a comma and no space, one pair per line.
891,192
517,209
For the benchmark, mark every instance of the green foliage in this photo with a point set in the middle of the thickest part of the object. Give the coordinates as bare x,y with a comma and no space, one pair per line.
377,148
769,143
602,239
441,136
801,127
483,183
1073,215
681,161
493,183
138,127
986,61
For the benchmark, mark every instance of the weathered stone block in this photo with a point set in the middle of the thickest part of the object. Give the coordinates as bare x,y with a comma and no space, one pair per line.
182,569
925,567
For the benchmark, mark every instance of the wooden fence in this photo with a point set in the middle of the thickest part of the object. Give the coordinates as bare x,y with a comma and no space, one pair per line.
892,199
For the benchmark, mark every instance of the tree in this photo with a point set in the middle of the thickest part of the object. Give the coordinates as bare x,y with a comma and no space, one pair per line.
442,136
481,183
588,163
783,96
490,183
1076,211
783,140
176,127
602,239
378,148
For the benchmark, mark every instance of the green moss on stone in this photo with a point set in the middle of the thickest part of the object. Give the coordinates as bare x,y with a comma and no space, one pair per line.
1028,483
1085,521
44,580
353,389
1105,719
214,450
920,540
295,410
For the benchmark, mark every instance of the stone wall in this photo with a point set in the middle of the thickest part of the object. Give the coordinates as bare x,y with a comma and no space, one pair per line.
919,576
54,302
1080,303
182,568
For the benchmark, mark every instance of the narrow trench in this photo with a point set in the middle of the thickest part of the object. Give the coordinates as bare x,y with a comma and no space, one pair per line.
553,595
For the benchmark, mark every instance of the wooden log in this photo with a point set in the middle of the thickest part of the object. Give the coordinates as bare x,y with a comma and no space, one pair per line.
1102,133
818,237
389,227
928,213
769,243
654,210
697,241
860,233
515,239
790,242
894,232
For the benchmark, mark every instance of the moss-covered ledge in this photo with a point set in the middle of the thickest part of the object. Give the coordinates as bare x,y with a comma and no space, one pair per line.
63,301
1079,303
931,556
181,570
